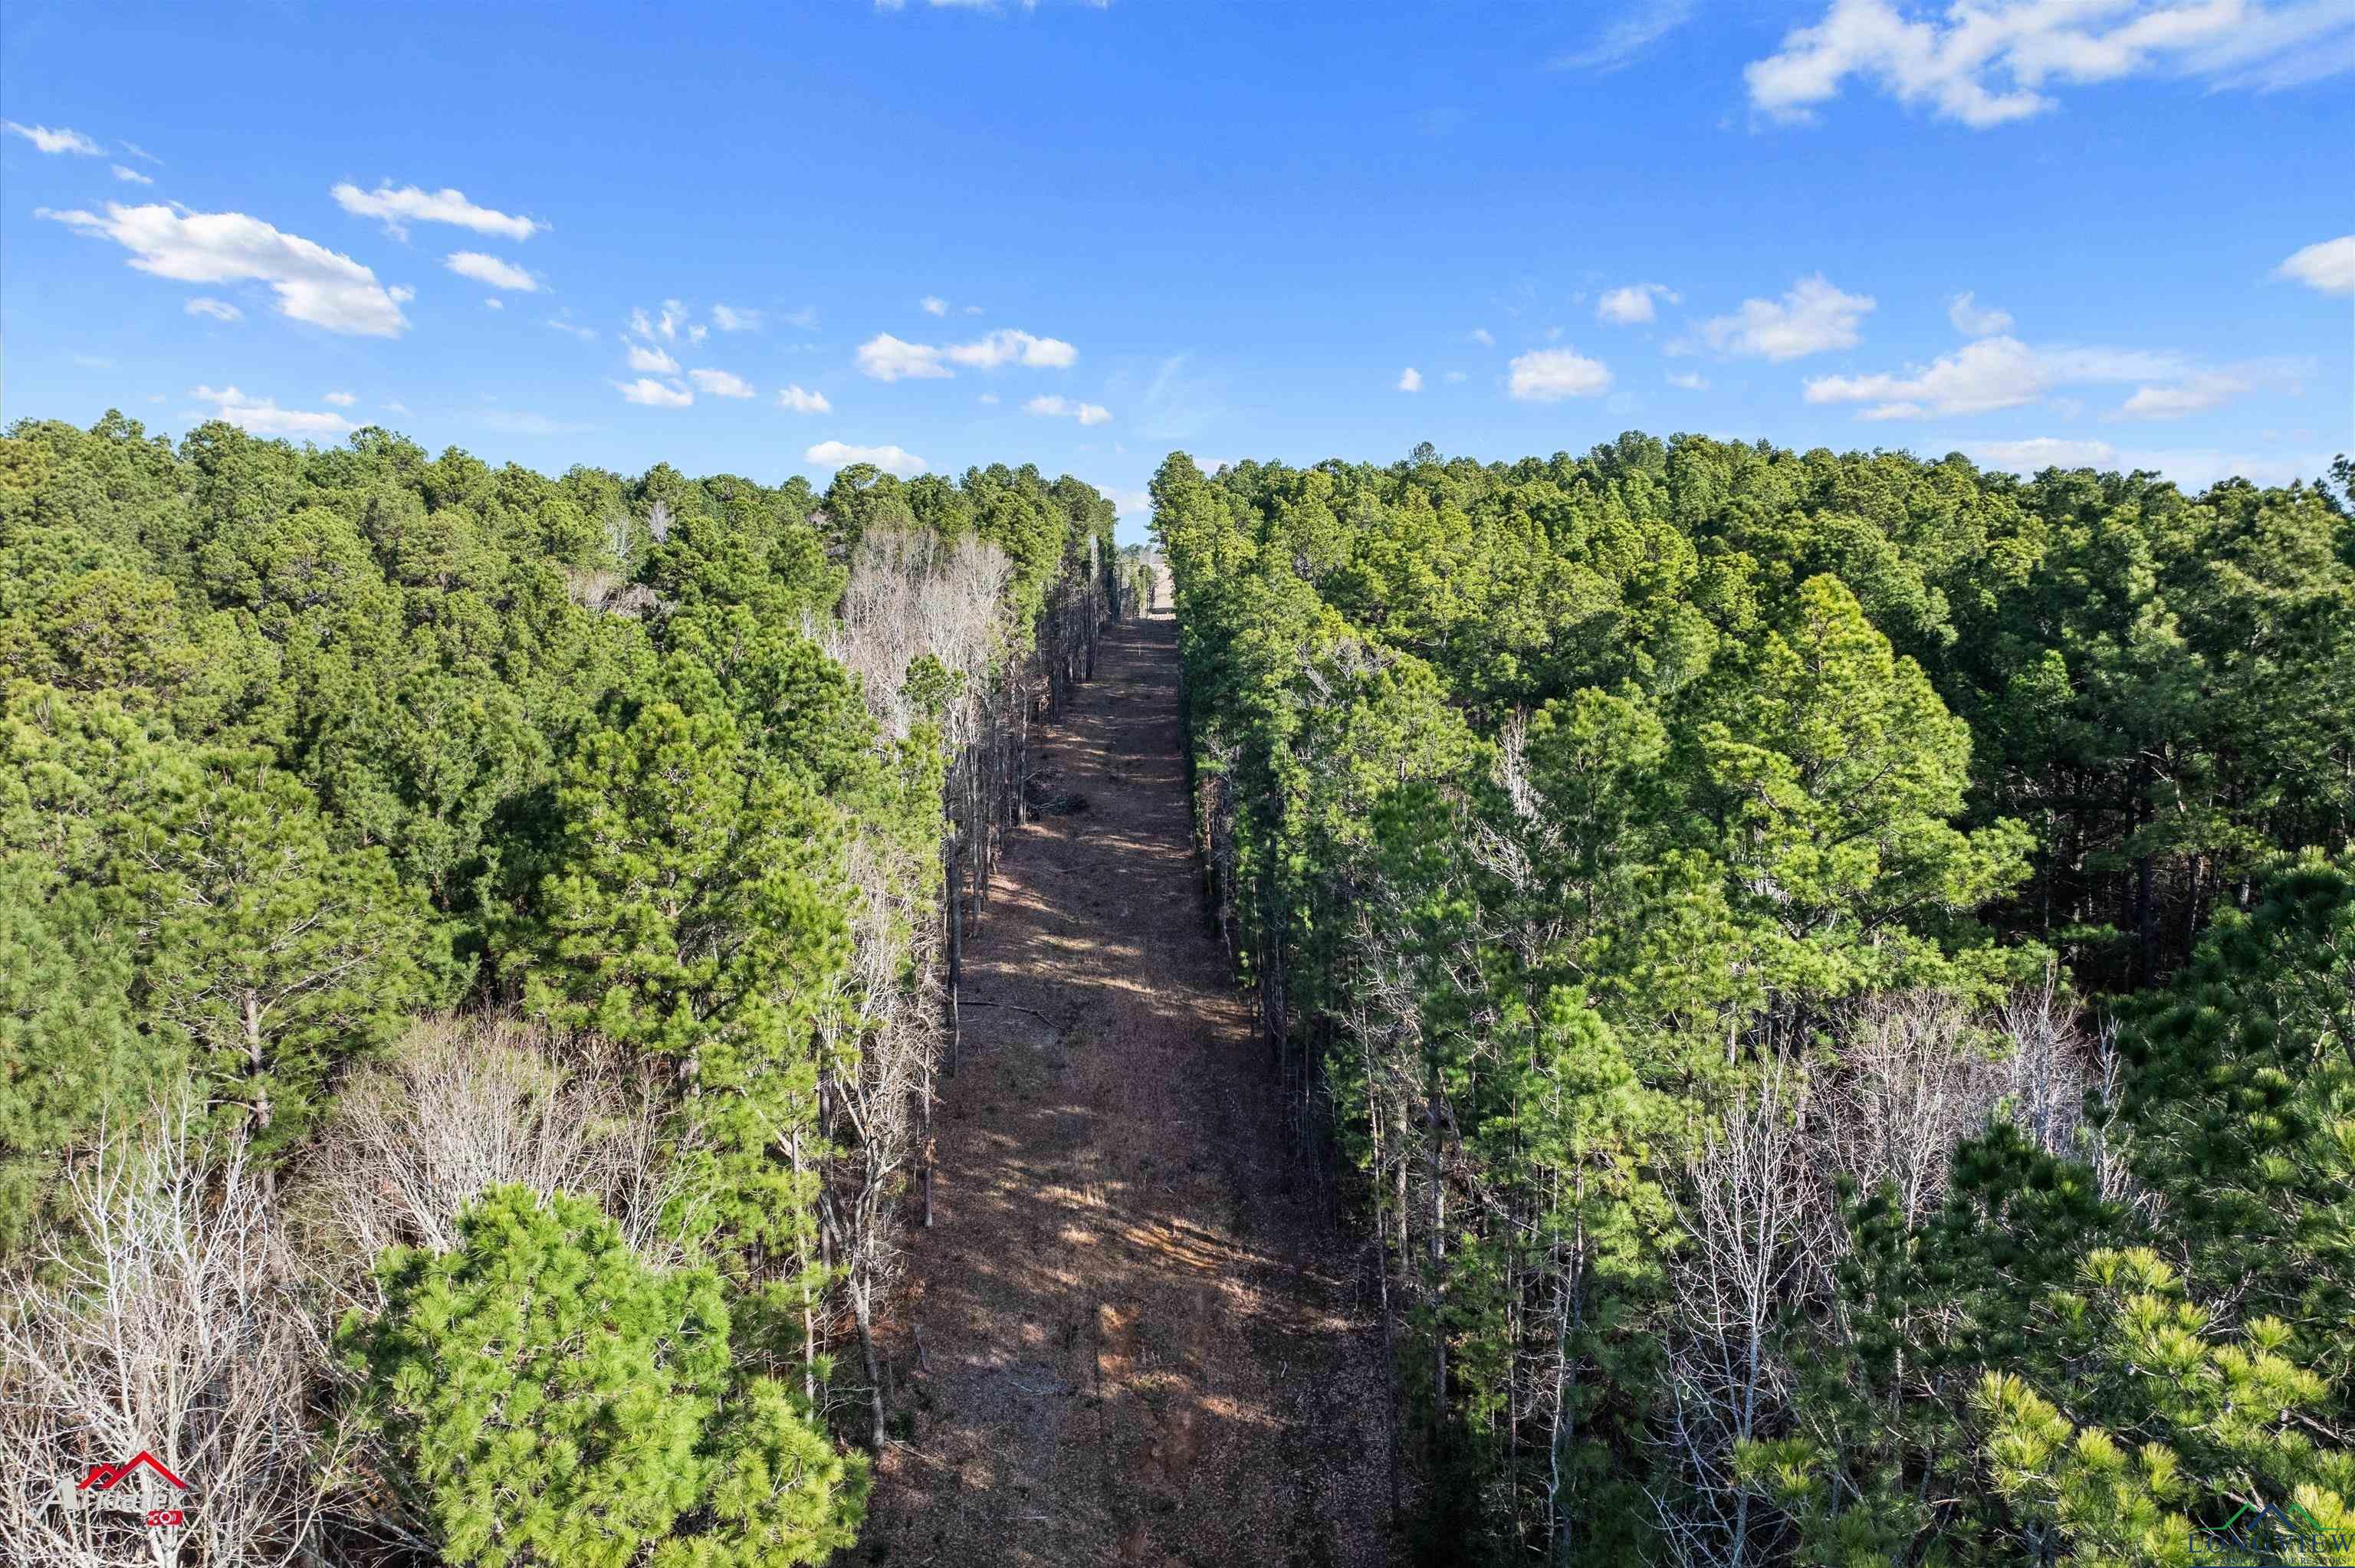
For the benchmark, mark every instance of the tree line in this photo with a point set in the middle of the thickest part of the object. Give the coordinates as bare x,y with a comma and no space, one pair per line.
1827,981
476,955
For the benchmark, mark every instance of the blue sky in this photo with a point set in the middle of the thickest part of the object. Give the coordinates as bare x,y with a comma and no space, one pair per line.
2073,230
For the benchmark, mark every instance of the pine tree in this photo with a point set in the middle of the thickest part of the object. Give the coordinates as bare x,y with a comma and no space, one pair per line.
546,1398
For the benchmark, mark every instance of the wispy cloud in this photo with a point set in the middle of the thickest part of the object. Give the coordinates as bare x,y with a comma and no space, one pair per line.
1641,27
721,383
888,358
397,208
263,417
1065,408
518,422
491,270
1973,321
2002,372
653,394
2193,469
59,140
670,323
1993,63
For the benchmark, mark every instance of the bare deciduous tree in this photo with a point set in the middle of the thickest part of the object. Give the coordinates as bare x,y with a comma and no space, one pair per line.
1758,1229
169,1324
465,1104
1915,1077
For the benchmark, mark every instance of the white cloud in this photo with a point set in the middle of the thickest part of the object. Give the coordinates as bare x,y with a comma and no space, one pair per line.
1691,381
340,399
2040,453
1971,321
490,269
263,416
1453,377
313,284
1127,503
654,394
1812,317
2192,469
721,383
886,359
1409,379
2192,395
841,454
401,293
933,305
989,399
806,318
1484,338
1988,64
735,318
646,356
136,150
1992,373
1550,374
397,209
586,335
1085,413
396,407
1627,306
58,141
1007,347
219,309
129,176
2327,264
804,402
1643,26
672,317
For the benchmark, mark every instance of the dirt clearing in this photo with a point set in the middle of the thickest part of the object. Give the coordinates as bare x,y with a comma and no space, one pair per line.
1142,1342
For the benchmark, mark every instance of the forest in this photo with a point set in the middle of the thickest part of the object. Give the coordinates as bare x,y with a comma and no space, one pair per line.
1820,987
476,962
1826,983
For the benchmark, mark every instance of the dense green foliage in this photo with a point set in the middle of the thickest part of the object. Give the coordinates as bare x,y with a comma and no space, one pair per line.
560,1401
301,744
1738,920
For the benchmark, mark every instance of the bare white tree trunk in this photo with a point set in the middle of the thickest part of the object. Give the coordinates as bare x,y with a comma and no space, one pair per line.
172,1327
1757,1229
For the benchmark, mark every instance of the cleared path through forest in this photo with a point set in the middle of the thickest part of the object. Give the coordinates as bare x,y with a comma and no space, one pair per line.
1141,1341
